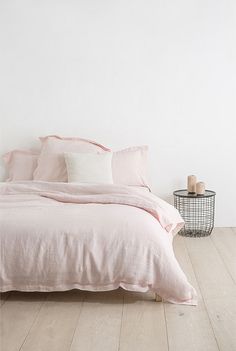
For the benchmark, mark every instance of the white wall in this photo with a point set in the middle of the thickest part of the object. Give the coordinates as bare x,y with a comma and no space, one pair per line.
127,72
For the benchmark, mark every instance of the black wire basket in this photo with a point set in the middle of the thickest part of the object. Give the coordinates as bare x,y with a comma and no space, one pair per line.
198,212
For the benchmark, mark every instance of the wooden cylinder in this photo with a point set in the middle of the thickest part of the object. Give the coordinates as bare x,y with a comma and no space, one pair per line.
192,180
200,188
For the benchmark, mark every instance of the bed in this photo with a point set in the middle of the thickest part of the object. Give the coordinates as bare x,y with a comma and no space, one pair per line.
76,216
60,236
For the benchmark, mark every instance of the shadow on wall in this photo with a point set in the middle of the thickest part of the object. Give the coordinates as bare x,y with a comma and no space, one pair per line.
169,199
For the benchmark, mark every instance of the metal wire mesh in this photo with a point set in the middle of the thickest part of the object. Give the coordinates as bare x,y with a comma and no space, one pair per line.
197,212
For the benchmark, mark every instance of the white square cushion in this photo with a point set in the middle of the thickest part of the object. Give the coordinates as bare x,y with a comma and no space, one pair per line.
89,167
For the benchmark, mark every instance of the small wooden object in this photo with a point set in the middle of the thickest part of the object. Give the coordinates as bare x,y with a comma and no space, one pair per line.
158,298
192,180
200,188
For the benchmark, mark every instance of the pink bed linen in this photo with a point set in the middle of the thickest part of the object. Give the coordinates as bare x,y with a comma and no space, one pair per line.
51,163
60,236
20,164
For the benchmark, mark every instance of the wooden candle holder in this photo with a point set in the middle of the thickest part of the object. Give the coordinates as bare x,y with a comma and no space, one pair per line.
200,188
192,180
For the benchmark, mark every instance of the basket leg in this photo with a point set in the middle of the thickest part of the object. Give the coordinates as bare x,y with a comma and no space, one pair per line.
158,298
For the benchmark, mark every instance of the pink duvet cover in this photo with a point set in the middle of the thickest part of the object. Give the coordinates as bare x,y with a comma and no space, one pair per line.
60,236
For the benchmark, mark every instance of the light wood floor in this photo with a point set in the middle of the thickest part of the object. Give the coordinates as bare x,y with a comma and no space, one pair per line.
119,320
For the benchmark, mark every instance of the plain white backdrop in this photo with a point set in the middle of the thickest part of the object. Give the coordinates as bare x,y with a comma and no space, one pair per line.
127,72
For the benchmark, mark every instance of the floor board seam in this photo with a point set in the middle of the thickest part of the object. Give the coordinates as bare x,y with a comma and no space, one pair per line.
167,335
204,302
121,321
77,322
37,314
223,261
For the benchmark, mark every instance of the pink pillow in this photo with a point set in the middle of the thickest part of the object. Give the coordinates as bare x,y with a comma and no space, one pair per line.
20,164
51,162
129,166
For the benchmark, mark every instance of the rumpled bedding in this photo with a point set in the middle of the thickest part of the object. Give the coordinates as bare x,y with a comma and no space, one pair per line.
62,236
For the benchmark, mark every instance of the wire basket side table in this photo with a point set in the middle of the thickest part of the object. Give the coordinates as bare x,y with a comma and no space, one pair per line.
198,212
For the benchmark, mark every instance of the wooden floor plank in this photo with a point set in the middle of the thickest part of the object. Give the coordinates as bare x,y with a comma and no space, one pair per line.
16,318
233,230
188,327
224,240
222,312
183,258
55,325
143,324
217,286
99,323
213,278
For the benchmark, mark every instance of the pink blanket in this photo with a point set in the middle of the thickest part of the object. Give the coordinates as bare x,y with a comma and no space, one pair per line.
60,236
